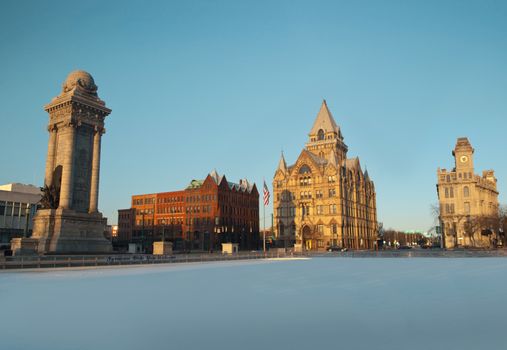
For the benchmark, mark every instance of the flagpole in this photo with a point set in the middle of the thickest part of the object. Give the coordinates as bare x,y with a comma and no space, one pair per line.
264,219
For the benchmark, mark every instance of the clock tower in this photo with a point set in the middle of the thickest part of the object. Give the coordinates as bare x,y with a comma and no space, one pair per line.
463,155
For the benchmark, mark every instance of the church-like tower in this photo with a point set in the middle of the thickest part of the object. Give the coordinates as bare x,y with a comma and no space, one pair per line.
70,221
324,199
468,202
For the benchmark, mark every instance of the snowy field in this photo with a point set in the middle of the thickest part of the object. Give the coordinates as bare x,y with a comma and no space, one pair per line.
322,303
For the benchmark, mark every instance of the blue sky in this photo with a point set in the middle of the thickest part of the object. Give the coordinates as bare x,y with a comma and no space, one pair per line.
198,85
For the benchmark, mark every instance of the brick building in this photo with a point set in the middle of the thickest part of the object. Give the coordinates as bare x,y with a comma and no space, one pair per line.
201,217
126,219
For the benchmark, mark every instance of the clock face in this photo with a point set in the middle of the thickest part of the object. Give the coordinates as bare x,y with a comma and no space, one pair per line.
463,159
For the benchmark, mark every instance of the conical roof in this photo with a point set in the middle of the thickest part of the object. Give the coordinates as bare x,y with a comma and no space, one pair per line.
282,165
324,121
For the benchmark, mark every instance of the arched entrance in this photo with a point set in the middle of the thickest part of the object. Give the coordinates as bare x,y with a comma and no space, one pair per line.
309,242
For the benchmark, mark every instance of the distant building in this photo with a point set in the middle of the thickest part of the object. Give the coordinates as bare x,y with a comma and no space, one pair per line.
468,202
17,202
126,221
201,217
324,199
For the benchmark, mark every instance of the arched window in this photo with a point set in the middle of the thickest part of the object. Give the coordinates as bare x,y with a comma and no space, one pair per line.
320,135
304,169
466,191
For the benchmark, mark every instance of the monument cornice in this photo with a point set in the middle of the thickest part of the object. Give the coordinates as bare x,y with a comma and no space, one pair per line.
77,99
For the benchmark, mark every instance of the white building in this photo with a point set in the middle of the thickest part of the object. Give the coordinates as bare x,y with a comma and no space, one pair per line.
16,201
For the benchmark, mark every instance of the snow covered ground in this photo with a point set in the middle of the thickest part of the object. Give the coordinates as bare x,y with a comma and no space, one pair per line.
321,303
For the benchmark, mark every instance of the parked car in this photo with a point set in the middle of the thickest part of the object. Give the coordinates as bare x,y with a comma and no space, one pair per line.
335,248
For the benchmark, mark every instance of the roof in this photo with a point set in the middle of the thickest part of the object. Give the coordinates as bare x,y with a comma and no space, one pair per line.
195,184
324,121
353,164
21,188
244,185
282,165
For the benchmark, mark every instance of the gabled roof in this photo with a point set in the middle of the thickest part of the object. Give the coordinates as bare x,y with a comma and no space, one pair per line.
324,121
243,186
353,164
333,159
316,158
217,178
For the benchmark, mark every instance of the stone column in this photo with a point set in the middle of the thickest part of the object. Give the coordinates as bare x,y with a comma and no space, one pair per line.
50,160
67,171
94,188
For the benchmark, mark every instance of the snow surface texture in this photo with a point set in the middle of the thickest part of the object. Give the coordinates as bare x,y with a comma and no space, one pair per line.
322,303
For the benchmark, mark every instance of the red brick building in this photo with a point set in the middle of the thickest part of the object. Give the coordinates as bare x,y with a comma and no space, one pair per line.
126,219
201,217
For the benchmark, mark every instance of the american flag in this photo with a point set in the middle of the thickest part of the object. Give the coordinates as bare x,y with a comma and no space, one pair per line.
266,194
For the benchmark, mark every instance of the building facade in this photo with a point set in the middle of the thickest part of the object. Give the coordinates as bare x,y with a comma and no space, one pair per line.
201,217
324,199
126,220
18,204
468,202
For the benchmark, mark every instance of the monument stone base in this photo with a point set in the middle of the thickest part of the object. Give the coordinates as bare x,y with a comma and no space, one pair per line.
24,246
64,231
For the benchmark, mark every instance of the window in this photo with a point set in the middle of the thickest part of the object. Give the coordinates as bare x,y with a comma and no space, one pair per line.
451,192
467,207
334,229
320,229
16,209
466,191
320,210
446,192
2,208
332,208
332,192
304,169
320,135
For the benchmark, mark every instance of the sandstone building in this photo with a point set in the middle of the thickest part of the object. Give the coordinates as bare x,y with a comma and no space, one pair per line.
18,204
324,199
204,215
468,202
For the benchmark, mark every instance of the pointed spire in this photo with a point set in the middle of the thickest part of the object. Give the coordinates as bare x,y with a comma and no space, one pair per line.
366,175
282,165
324,121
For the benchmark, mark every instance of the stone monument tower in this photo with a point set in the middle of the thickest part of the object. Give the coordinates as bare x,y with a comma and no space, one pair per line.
70,221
